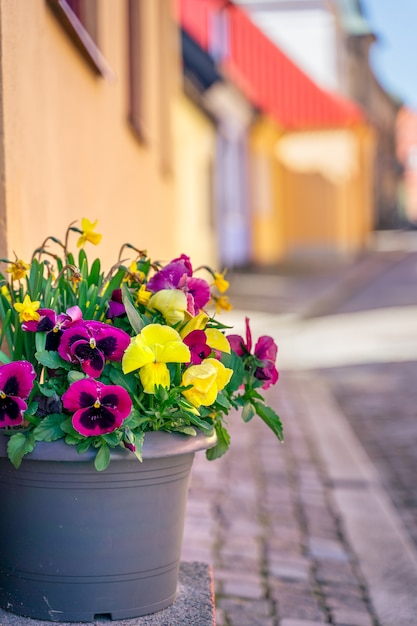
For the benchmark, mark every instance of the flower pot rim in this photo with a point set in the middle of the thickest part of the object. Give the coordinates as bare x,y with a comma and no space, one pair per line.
157,444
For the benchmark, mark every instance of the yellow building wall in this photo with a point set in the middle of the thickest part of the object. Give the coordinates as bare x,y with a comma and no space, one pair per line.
68,148
317,196
194,153
267,201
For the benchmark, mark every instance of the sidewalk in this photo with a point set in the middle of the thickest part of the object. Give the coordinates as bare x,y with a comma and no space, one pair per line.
300,533
304,533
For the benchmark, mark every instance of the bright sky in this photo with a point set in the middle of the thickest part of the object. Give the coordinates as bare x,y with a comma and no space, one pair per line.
394,55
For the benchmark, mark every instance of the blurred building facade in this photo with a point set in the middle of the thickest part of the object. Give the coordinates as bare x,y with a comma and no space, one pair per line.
309,152
184,130
88,92
407,155
331,40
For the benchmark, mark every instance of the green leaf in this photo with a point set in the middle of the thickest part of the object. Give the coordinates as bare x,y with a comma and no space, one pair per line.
248,412
270,418
40,341
73,376
128,381
102,459
4,358
52,360
138,443
18,445
234,362
222,445
83,446
94,275
133,315
49,429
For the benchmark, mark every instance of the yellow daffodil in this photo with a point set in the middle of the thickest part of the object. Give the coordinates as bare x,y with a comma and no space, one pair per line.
143,295
207,379
149,352
18,269
222,304
220,282
6,292
133,274
28,310
88,234
172,303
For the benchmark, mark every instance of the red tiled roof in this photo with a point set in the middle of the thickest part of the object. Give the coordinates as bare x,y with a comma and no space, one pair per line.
268,78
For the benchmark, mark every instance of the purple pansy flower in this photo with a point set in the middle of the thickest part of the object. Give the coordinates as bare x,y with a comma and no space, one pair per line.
98,408
179,275
16,382
53,324
265,350
91,343
196,340
116,306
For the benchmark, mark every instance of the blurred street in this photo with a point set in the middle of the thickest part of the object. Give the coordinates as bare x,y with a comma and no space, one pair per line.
321,529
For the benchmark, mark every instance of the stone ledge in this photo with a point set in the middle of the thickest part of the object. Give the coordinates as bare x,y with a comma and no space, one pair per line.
194,605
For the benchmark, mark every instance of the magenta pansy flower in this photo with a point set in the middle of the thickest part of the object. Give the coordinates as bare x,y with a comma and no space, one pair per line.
179,275
98,408
16,382
196,340
91,343
265,350
53,324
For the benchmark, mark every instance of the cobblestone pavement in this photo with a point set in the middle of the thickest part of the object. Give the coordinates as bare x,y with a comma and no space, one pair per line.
295,538
263,517
380,401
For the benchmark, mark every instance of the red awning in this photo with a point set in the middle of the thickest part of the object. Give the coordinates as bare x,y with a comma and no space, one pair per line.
267,77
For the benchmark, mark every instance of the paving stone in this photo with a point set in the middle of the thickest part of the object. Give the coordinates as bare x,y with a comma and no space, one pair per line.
347,617
300,622
328,549
289,568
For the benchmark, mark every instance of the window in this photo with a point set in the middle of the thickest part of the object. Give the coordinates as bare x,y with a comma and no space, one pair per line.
79,19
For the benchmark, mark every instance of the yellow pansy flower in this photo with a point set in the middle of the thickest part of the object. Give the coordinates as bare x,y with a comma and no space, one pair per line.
149,352
207,379
88,235
28,310
18,269
172,303
198,322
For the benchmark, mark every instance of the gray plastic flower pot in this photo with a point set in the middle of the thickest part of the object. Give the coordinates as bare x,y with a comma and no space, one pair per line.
78,543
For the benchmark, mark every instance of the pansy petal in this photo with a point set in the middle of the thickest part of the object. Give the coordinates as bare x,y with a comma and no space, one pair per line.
70,336
16,378
154,374
172,303
111,341
217,341
11,411
80,394
136,355
96,421
92,360
266,348
46,322
237,344
223,374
